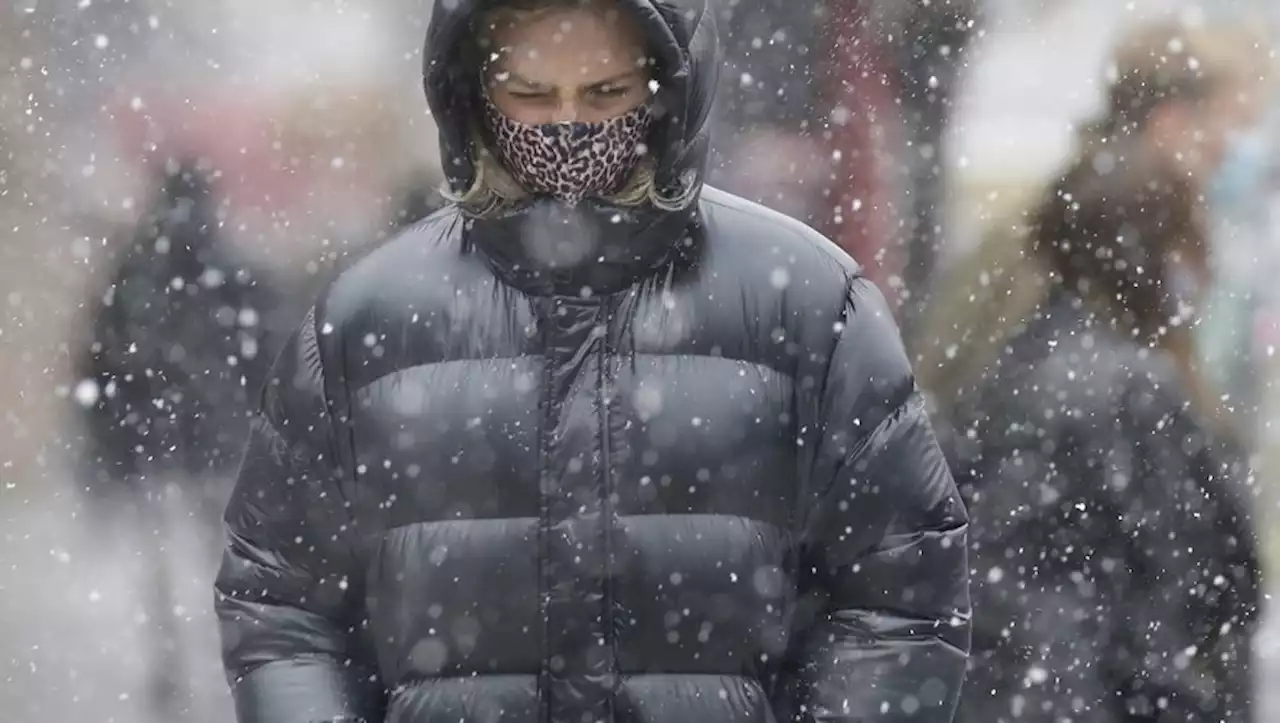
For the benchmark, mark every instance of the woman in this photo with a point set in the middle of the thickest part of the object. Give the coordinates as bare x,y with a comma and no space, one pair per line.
986,296
593,443
1115,566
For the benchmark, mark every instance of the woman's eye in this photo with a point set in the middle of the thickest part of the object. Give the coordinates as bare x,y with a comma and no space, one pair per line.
525,95
612,91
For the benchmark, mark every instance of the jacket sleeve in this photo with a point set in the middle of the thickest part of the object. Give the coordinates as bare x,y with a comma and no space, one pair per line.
287,594
884,560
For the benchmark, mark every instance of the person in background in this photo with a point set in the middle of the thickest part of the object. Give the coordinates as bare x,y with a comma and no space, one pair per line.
990,294
1116,572
176,349
596,442
928,59
835,114
768,113
174,352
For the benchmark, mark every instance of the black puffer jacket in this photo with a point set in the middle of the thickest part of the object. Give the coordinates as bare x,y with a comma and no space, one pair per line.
685,478
1115,567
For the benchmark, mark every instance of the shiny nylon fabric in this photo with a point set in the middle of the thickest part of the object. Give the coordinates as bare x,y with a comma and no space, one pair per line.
700,498
675,473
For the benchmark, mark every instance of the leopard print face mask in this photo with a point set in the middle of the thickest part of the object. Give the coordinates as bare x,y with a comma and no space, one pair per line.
570,161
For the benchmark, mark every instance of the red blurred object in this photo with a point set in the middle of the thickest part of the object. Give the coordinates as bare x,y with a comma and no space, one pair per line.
858,94
239,135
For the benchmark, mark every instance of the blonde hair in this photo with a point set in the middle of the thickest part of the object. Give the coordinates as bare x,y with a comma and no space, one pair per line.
493,191
1170,60
989,297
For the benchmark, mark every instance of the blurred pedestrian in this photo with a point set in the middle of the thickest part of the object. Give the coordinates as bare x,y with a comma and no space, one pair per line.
768,115
928,42
596,442
865,202
174,349
175,346
990,294
1115,562
835,113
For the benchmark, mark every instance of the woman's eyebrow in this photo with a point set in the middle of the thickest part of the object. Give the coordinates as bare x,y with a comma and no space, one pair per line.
614,80
507,76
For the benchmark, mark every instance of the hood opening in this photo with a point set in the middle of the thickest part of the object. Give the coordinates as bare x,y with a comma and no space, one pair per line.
681,37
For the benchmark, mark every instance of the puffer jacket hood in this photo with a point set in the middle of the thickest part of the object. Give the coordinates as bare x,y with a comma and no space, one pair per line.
543,246
681,36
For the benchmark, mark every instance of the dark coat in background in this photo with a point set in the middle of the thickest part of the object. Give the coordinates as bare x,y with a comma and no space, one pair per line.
595,464
770,66
179,342
835,112
768,118
1115,567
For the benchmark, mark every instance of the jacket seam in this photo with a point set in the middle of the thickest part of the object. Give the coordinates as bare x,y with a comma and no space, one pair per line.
665,355
342,451
812,498
896,415
312,657
634,516
336,422
900,412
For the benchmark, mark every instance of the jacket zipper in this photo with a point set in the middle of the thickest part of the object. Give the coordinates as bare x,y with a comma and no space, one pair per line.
604,392
544,513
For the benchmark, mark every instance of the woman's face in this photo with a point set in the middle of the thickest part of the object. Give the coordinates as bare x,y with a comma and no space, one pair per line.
1196,134
582,64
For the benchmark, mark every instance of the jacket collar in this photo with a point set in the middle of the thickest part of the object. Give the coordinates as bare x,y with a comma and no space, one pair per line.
592,249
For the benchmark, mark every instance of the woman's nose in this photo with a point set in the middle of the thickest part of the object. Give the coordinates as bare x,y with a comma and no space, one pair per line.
567,111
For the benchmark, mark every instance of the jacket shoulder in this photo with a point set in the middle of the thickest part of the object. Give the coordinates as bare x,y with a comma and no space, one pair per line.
402,272
762,242
755,227
796,280
1091,377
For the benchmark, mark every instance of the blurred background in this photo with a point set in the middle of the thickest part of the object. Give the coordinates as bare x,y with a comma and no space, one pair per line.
906,131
